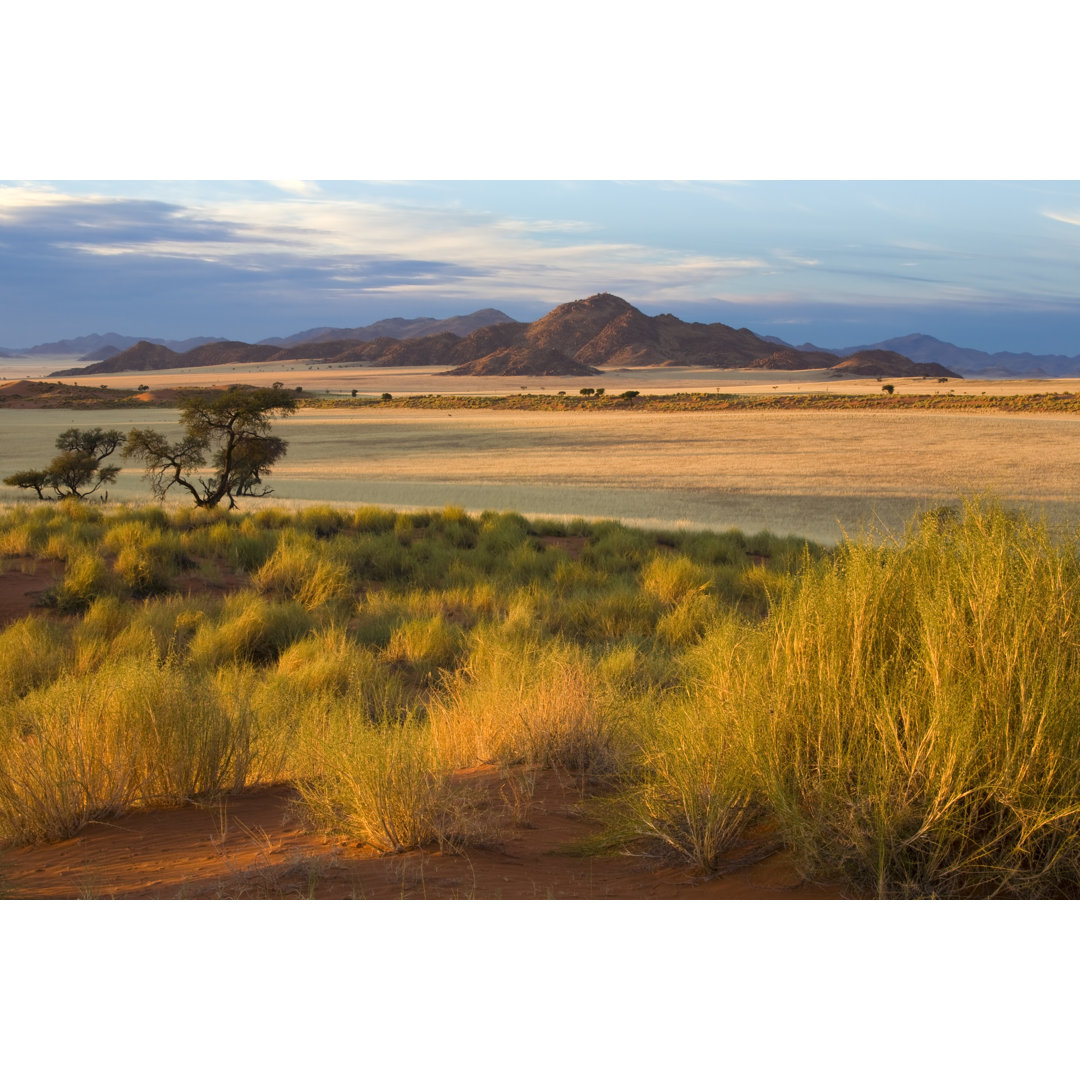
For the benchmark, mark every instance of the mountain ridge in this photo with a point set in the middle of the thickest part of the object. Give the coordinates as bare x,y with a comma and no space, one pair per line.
401,329
575,338
923,348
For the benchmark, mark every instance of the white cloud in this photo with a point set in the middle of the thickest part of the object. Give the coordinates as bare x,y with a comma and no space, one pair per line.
296,187
16,197
1067,219
532,258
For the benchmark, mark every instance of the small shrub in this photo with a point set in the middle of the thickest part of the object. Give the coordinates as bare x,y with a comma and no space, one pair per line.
248,629
33,652
86,579
303,571
671,580
373,519
384,786
518,701
426,645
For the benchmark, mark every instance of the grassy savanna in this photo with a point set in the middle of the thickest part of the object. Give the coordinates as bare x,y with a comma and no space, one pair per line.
817,474
901,714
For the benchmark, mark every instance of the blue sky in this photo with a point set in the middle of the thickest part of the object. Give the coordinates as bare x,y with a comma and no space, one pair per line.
990,265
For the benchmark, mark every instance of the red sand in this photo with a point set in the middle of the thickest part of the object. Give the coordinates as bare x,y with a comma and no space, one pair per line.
255,846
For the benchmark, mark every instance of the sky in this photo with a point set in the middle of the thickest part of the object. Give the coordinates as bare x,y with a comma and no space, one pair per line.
993,265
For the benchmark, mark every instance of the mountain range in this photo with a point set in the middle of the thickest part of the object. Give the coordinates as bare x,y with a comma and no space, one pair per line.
921,348
573,339
460,325
926,349
80,346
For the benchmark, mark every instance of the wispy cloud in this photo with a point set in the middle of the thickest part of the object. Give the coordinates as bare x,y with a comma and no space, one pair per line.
1072,218
296,187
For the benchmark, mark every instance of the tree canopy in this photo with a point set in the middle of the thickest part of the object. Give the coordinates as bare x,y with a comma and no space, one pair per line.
77,470
228,434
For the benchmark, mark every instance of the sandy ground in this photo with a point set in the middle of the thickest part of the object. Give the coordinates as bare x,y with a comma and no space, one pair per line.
255,846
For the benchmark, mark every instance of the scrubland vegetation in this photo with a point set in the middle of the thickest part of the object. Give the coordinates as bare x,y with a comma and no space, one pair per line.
590,400
903,714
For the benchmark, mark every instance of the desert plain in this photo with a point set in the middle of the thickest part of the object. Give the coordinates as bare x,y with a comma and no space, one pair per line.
819,475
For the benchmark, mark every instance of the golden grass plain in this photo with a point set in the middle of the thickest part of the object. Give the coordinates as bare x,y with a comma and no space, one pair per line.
813,474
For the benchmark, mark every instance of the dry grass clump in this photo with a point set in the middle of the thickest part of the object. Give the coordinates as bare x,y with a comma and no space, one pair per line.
248,629
919,712
526,701
427,646
22,537
86,577
68,757
145,555
33,652
373,519
384,785
688,790
132,732
672,579
298,570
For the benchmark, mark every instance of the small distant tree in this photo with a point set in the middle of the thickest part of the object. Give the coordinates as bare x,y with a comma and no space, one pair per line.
943,379
586,391
629,395
599,391
77,471
278,385
889,388
388,397
230,433
354,391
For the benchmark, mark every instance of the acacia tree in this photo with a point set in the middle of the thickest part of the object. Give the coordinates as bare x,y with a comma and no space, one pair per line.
77,470
229,433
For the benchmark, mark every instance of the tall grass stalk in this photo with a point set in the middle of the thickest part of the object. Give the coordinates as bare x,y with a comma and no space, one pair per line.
688,790
525,701
918,712
383,785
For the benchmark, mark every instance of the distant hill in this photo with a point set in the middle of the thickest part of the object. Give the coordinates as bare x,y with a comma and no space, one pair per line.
143,356
148,356
402,329
925,349
606,331
884,362
99,356
81,346
524,361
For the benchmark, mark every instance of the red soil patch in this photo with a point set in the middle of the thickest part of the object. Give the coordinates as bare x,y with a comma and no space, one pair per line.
572,545
22,584
255,846
196,583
